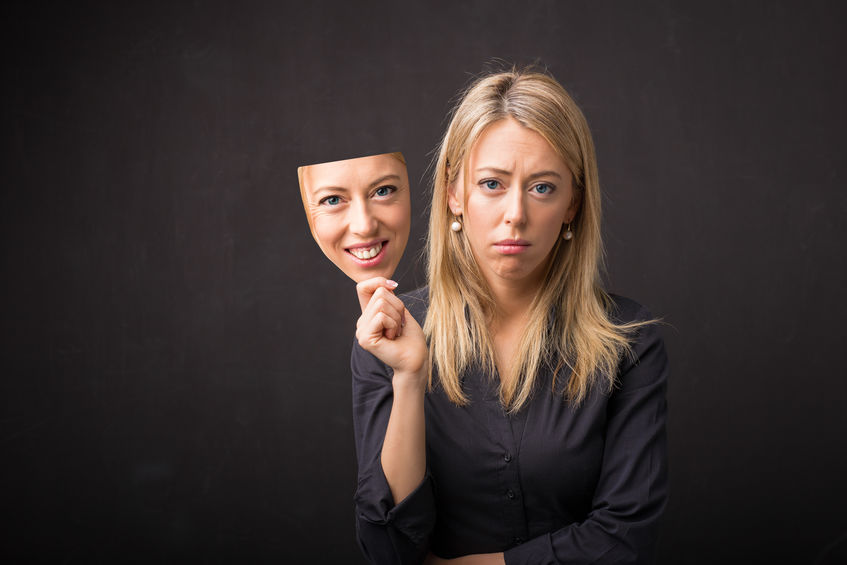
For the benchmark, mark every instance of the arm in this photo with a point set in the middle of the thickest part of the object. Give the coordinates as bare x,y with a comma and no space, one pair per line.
394,504
632,488
475,559
403,455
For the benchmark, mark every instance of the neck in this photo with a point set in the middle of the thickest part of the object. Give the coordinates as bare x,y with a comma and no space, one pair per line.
513,299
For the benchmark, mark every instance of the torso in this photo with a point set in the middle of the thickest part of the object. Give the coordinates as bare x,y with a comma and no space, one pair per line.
502,479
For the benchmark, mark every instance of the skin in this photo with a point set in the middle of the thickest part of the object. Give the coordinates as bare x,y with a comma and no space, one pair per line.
516,188
359,204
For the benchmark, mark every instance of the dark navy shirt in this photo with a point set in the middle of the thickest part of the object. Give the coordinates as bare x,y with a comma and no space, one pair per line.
551,484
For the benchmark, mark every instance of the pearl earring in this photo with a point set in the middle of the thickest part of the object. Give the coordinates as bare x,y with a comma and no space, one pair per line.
568,235
456,226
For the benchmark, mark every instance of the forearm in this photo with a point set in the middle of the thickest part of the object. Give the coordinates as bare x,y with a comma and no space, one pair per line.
403,454
476,559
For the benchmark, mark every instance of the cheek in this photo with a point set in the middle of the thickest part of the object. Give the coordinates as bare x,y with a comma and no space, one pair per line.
329,231
551,223
396,217
481,215
476,227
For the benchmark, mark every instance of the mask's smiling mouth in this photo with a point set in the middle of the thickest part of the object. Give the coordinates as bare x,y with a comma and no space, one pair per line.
368,254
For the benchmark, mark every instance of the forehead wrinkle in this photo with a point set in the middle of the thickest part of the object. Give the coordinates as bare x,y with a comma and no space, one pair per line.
497,170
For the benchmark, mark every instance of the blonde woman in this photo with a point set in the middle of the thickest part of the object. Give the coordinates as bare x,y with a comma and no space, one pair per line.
525,421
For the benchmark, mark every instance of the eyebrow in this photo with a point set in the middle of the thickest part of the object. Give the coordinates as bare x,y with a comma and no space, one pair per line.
509,173
384,178
372,184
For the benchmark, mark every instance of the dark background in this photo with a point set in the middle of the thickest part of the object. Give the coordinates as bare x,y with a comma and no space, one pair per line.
175,348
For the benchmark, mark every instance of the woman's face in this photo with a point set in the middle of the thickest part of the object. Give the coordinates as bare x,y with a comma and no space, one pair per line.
514,198
359,213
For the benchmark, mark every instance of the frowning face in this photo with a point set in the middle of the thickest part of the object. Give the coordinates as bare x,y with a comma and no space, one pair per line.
359,212
514,199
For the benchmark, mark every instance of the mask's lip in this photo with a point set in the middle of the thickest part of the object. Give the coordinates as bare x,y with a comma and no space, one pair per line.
367,245
373,261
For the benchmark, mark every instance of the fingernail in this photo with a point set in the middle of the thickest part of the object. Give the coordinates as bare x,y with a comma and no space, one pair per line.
391,284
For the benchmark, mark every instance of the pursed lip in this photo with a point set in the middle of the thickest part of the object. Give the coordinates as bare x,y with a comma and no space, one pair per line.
512,246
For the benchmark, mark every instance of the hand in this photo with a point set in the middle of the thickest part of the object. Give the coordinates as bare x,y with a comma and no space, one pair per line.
365,290
388,331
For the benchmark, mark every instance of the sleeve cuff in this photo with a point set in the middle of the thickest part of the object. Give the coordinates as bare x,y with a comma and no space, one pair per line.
414,516
537,551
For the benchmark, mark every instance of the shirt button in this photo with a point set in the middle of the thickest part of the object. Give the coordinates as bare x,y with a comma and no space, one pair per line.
518,541
507,457
510,494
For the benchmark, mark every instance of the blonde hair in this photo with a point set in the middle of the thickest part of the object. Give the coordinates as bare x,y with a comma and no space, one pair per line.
569,321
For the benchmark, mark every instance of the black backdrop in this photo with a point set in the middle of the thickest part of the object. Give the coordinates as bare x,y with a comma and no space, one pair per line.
175,382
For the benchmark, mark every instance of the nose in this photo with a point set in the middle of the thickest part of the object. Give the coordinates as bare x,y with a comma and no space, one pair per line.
362,222
515,212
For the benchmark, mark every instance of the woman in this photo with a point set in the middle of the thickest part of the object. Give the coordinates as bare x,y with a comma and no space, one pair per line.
532,428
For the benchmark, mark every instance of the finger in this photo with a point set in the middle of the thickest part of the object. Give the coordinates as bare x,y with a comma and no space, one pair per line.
384,299
372,330
366,289
388,296
383,302
396,317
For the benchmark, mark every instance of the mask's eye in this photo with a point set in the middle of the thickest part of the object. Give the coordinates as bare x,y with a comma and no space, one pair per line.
491,184
330,200
385,190
543,188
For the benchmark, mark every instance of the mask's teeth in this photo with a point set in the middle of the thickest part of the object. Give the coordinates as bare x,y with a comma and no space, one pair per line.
367,252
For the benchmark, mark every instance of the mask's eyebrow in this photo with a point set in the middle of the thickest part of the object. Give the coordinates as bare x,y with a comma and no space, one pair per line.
383,178
331,189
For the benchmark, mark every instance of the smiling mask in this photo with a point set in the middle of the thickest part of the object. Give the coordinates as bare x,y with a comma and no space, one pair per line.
359,212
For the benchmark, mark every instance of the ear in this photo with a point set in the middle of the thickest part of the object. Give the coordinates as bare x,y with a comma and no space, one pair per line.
456,194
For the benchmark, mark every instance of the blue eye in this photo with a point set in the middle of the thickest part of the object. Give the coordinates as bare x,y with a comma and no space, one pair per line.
491,184
331,200
385,190
543,188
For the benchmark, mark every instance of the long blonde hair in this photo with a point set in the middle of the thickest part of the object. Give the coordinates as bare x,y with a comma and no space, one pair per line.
569,321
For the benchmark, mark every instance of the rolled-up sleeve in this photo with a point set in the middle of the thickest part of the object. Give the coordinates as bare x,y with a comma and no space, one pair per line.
387,532
633,485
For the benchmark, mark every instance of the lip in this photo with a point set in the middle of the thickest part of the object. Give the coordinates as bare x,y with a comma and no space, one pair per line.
512,246
373,261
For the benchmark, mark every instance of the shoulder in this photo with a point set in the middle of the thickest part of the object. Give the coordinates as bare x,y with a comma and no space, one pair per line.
417,302
623,310
646,361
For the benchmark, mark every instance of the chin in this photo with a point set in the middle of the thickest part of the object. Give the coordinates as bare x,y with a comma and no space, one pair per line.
359,274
